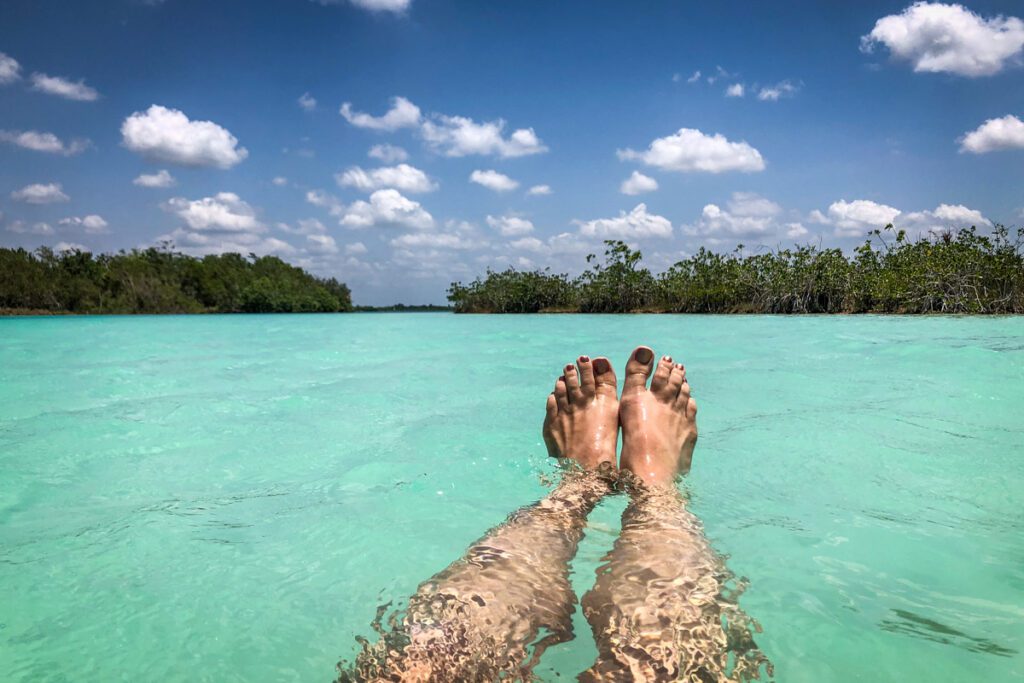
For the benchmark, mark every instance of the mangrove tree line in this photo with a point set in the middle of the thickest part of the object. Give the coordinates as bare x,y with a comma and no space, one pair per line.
162,281
948,272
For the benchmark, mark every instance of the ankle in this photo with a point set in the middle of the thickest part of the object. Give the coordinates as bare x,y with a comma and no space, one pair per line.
640,483
652,468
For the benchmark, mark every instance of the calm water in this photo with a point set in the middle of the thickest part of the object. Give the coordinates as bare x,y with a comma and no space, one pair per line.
230,498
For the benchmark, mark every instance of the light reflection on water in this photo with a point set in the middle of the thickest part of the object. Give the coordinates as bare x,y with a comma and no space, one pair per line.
228,498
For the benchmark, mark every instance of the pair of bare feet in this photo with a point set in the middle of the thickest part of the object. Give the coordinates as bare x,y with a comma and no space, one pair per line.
659,424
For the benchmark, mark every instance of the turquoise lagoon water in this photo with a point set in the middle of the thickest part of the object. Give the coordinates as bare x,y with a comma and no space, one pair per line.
229,498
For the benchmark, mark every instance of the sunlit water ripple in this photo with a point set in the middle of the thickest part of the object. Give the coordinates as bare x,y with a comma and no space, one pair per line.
227,498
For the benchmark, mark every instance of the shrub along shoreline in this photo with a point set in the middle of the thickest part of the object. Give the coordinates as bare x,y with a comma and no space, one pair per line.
160,281
948,272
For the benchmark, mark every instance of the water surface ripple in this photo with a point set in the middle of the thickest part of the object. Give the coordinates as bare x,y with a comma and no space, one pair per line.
229,498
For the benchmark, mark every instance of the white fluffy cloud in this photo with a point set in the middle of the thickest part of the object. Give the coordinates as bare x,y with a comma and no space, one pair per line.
772,93
389,154
715,221
69,246
307,101
164,134
40,193
746,215
960,215
539,190
994,135
43,142
510,225
853,219
570,244
223,223
159,179
492,180
453,136
403,114
279,181
401,177
528,244
355,248
856,218
93,224
735,90
10,70
944,216
690,150
749,215
204,243
795,230
224,212
459,136
387,208
938,37
633,225
638,183
62,87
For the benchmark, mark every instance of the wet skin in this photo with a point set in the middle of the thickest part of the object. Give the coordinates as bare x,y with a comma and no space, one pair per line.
581,421
659,424
655,610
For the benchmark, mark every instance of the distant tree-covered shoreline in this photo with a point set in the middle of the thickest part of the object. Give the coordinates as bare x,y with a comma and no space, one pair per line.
160,280
948,272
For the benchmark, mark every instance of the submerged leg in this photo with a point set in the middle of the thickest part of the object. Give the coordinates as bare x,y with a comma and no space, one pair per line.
478,618
654,609
657,609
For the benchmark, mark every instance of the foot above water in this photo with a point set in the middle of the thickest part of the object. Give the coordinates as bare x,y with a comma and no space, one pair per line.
659,424
582,414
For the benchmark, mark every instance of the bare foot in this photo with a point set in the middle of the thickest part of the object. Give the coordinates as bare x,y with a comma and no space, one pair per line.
582,420
659,425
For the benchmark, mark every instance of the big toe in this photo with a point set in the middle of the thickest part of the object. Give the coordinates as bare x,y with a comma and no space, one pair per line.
604,376
638,369
550,410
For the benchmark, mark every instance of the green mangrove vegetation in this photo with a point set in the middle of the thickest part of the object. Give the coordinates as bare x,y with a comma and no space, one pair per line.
160,280
947,272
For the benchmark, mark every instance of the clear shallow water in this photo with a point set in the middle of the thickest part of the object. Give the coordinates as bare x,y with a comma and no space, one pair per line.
229,498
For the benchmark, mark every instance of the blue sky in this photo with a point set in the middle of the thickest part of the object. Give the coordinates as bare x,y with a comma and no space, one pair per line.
505,133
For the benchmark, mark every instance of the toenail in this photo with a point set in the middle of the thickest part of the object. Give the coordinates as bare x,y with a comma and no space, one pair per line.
668,359
584,359
601,366
643,355
568,368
